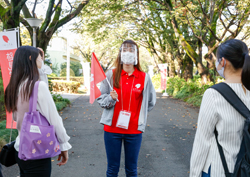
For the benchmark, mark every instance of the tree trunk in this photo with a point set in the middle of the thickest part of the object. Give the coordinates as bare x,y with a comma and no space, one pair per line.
171,68
43,41
10,21
187,68
204,73
10,15
180,66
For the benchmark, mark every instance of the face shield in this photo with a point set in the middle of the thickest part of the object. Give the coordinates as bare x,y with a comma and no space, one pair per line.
129,54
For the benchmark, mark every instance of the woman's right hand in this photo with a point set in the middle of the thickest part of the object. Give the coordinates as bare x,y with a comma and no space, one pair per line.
65,156
114,95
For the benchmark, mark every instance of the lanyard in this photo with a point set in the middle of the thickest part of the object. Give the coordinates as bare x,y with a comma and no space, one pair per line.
130,93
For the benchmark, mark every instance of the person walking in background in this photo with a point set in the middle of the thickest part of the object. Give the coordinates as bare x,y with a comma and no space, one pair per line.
233,63
26,64
125,109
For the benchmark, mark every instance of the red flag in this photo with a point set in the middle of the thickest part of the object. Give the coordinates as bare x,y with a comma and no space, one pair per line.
97,75
8,46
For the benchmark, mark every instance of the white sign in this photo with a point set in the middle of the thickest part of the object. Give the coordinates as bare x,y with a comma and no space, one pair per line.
35,129
8,40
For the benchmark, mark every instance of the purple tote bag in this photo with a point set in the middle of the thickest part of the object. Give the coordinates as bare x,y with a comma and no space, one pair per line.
37,137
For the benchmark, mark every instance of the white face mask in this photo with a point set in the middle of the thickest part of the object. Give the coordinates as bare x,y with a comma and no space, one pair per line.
128,58
221,71
129,54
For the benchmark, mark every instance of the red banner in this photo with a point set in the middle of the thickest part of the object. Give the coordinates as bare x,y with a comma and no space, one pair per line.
6,60
8,47
163,69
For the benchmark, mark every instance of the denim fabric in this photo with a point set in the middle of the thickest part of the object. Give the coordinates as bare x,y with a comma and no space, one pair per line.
34,168
205,174
113,145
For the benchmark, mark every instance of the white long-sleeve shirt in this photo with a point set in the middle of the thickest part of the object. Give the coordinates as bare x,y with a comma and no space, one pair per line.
46,106
215,111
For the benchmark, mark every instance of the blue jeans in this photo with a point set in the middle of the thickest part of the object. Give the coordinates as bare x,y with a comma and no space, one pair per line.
113,145
205,174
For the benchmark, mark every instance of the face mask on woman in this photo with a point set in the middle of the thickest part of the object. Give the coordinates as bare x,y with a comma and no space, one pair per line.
129,54
221,71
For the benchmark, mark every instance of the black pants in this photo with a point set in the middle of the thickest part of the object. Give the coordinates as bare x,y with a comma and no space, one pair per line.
1,175
34,168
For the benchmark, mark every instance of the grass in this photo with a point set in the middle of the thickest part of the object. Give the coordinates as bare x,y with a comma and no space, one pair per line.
5,133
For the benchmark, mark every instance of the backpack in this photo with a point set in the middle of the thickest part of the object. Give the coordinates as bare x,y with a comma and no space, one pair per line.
242,165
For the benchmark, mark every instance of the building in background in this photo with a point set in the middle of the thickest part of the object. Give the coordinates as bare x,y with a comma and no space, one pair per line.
57,53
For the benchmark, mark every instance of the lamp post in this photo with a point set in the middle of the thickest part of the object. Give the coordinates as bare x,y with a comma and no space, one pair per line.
34,23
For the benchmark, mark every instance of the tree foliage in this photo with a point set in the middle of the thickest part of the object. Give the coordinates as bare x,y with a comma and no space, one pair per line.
174,32
55,17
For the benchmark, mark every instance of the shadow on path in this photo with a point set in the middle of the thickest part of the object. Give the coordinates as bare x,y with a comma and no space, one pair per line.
166,145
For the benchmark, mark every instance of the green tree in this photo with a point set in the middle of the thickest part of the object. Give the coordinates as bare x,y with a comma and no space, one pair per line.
174,32
203,18
55,17
75,66
64,72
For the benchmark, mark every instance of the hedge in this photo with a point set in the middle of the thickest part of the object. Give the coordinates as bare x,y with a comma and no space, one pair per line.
76,79
64,72
190,91
65,86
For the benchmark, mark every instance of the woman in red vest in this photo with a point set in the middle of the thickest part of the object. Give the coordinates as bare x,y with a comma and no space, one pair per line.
125,109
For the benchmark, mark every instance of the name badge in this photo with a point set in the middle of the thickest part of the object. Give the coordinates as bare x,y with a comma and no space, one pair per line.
123,119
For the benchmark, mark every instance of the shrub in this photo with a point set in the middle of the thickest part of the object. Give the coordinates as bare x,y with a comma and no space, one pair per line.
156,80
65,86
52,75
190,91
5,133
2,142
75,66
60,105
77,79
59,98
174,85
64,72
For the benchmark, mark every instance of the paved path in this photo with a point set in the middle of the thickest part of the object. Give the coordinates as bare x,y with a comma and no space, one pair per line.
166,145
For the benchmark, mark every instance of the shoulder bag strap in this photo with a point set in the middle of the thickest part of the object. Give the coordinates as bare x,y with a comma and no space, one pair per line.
33,98
227,92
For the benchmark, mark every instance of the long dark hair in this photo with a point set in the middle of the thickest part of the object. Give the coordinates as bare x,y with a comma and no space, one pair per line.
24,67
118,65
237,53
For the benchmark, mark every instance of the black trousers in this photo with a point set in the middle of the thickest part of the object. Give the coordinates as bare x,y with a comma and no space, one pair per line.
1,175
34,168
